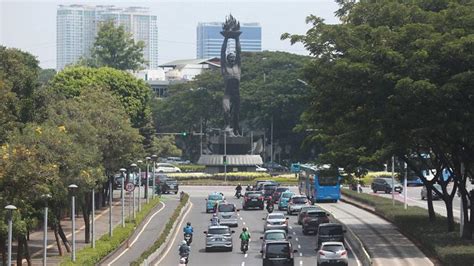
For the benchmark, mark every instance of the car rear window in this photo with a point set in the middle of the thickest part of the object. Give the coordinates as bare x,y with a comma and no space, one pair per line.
275,236
333,248
276,216
226,208
215,197
268,187
282,189
278,250
330,230
317,214
219,231
299,200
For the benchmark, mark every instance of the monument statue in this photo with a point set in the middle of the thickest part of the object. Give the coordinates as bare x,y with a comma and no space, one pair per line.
230,69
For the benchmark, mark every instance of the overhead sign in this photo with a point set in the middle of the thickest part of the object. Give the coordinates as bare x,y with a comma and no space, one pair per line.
129,187
295,167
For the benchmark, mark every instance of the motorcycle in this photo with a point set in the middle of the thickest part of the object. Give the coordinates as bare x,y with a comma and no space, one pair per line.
270,208
238,194
183,260
244,246
188,238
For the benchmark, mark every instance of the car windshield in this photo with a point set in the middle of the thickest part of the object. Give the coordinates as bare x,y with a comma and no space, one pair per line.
219,231
333,248
214,197
278,250
330,230
269,187
298,200
316,214
275,236
226,208
282,189
276,216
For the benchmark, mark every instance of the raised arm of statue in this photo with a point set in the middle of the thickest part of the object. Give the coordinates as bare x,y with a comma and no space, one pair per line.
237,51
223,56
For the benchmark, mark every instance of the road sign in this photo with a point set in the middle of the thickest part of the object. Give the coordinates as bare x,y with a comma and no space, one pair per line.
295,167
129,187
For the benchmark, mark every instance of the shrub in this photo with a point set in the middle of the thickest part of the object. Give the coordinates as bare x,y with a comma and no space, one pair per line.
191,167
414,223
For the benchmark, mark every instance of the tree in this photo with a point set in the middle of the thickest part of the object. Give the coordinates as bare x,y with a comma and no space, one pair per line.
134,94
45,75
393,79
164,146
114,47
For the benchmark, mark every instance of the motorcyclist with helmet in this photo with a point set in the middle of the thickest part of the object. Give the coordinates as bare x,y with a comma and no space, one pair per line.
188,230
238,191
184,251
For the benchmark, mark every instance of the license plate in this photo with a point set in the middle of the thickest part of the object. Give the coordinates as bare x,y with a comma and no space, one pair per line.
254,199
217,239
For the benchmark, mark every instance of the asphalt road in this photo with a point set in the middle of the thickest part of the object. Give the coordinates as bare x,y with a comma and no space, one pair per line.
414,199
249,218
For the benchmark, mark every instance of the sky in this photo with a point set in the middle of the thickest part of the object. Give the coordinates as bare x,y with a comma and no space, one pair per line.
31,25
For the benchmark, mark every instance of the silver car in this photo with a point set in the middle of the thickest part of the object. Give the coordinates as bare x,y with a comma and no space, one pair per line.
219,237
275,221
296,203
332,253
274,235
227,213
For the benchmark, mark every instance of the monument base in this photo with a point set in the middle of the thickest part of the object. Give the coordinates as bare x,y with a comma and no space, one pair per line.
234,163
232,144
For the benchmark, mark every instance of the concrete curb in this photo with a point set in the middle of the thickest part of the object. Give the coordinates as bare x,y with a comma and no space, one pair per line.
159,252
357,245
126,241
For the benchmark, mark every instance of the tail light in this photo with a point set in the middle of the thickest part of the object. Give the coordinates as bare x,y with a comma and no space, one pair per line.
343,253
322,253
260,197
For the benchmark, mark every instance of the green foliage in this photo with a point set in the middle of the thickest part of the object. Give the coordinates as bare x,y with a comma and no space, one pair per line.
192,167
115,48
164,147
167,230
106,244
134,94
414,222
45,75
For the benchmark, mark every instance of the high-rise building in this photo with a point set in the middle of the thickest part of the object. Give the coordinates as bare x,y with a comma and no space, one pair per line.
209,38
77,27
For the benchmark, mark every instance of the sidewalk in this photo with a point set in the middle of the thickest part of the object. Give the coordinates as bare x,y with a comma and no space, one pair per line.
101,228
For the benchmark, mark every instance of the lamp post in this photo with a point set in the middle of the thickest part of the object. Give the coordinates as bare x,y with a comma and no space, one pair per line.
154,158
148,159
139,162
393,180
225,157
72,189
111,192
45,197
133,166
122,171
10,209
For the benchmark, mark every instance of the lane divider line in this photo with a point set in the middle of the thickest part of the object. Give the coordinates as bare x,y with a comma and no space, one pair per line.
246,255
296,239
243,263
294,233
299,246
301,262
353,253
138,235
175,234
301,255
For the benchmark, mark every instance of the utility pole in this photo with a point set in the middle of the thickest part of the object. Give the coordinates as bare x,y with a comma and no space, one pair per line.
393,180
271,142
201,136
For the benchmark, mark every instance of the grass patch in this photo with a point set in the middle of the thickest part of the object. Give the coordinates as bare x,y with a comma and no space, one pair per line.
164,234
413,222
233,178
107,244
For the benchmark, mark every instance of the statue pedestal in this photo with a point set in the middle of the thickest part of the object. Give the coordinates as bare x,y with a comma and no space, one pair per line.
237,155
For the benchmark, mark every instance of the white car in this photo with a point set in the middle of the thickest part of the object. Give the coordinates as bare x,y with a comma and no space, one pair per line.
167,168
332,252
258,168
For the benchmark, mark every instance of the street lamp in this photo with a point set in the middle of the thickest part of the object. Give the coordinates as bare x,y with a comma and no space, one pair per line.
154,158
133,166
111,192
122,171
139,162
93,218
148,159
45,197
72,189
10,209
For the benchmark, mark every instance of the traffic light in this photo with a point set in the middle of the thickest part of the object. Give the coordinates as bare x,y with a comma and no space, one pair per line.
184,134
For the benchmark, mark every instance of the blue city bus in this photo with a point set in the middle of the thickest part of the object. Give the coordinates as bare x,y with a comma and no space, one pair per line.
319,182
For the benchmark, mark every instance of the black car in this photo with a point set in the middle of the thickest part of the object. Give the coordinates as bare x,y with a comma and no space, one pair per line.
268,190
253,199
274,167
313,219
278,253
169,185
385,184
329,232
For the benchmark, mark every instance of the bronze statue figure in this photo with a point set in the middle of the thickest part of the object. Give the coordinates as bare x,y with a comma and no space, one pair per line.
230,69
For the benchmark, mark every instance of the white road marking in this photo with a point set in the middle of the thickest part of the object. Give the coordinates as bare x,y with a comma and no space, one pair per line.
241,218
246,254
244,223
136,238
296,239
299,246
301,262
294,233
301,255
353,253
175,234
243,263
291,227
